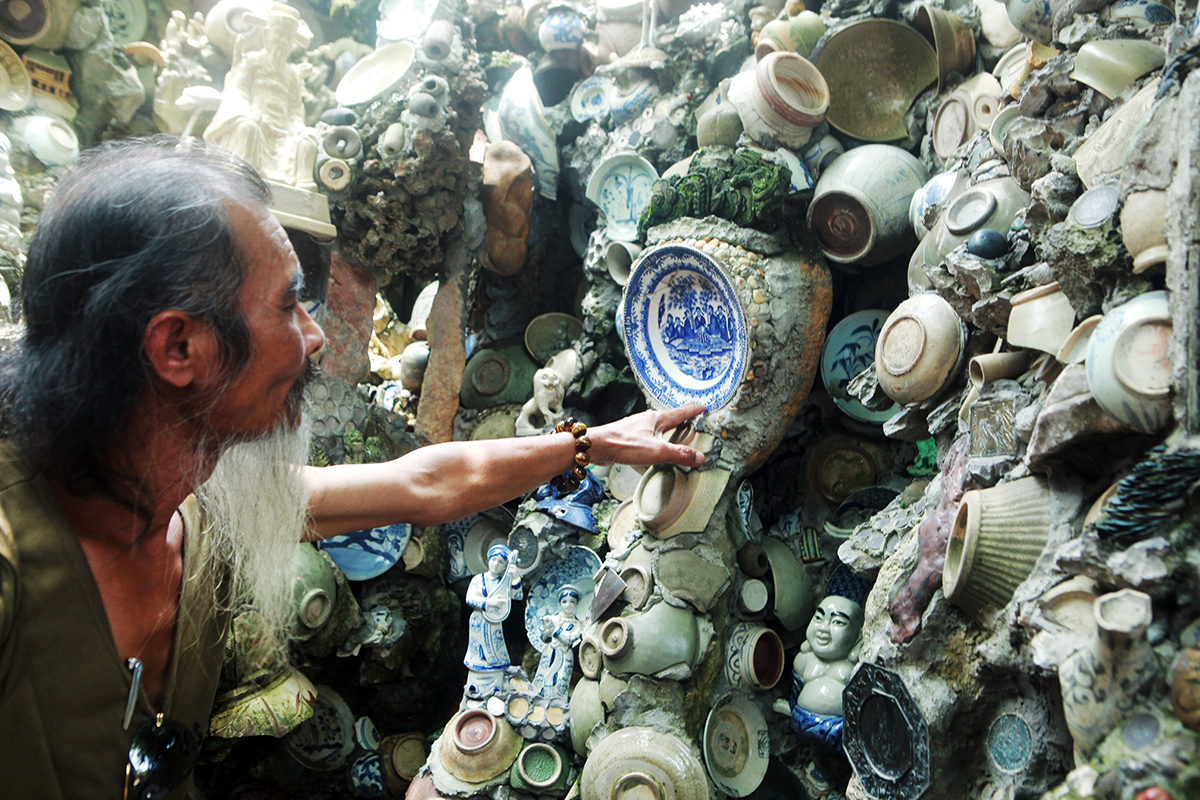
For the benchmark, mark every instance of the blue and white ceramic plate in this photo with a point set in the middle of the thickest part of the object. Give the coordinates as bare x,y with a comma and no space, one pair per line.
589,98
849,349
367,554
620,187
579,568
737,745
325,740
684,328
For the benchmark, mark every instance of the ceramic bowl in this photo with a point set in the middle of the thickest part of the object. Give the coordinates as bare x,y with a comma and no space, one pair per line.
753,657
369,553
737,745
620,187
25,22
1041,318
1110,66
15,87
271,710
1143,228
920,349
793,588
969,108
325,740
374,74
1101,157
849,349
1074,348
477,746
51,140
952,39
662,495
1000,124
551,333
589,98
1128,362
641,763
648,642
875,68
860,205
798,34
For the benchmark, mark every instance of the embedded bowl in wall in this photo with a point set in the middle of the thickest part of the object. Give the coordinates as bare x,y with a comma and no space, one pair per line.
875,69
1128,362
920,349
684,328
589,98
737,745
640,762
849,349
15,86
620,188
369,553
374,74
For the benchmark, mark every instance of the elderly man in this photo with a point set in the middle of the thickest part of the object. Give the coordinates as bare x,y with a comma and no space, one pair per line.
164,342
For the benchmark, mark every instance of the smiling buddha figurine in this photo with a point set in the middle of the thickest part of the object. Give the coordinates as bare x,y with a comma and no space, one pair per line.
826,659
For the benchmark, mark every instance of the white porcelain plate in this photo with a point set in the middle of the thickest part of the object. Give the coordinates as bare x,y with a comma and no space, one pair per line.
737,745
849,349
620,186
374,74
579,568
367,554
684,329
589,98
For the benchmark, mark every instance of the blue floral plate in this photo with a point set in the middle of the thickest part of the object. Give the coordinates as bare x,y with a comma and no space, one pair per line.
367,554
621,186
685,331
578,568
849,349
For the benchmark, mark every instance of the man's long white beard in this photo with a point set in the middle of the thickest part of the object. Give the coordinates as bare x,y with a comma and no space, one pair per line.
256,505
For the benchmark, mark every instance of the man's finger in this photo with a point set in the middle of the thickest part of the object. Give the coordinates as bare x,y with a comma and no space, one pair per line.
674,416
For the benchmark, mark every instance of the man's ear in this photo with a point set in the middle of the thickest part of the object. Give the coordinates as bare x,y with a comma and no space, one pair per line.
182,348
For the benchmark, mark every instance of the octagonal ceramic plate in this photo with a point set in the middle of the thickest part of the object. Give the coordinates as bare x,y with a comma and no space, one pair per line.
684,328
579,568
737,745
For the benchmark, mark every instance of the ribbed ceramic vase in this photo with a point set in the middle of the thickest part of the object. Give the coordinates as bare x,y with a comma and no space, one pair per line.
998,535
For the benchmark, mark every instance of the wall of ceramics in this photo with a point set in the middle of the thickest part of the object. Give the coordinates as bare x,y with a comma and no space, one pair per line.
930,266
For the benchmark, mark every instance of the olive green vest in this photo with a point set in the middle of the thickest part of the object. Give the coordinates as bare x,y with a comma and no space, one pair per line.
63,688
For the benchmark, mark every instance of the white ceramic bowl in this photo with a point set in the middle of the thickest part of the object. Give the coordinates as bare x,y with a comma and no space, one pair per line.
1128,362
374,74
920,349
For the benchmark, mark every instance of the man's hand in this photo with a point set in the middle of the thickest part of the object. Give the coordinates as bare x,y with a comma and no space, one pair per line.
638,440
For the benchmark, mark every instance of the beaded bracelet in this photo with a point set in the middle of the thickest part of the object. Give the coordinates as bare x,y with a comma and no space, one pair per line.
569,481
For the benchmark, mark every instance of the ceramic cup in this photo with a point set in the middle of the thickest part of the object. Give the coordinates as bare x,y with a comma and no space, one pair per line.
1110,66
562,29
920,349
998,536
860,204
753,657
1143,228
1041,318
618,260
1128,362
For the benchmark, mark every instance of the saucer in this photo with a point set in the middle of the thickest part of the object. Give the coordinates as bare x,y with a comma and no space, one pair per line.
684,328
737,745
849,349
578,568
367,554
374,74
620,187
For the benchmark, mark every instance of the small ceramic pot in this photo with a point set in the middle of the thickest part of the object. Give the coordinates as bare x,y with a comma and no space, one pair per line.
540,768
334,174
753,657
562,29
920,349
720,125
477,746
998,536
591,660
638,574
391,144
637,763
782,100
860,204
1143,228
1041,318
1110,66
1128,362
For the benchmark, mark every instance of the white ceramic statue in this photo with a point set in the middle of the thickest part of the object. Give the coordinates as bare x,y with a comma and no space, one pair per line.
261,117
545,408
826,660
490,594
561,632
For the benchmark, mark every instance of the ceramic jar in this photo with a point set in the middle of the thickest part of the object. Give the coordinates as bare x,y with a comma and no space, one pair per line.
992,204
799,34
562,29
1128,362
522,123
998,536
1034,18
860,204
753,657
315,592
1143,228
781,101
1101,682
638,763
920,349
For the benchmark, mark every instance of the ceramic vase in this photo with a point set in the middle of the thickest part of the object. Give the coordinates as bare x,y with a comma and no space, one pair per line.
998,536
753,657
522,123
860,204
562,29
1101,682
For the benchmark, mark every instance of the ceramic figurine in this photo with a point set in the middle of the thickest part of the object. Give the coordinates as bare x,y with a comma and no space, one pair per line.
826,660
491,594
562,632
261,117
576,507
182,44
545,408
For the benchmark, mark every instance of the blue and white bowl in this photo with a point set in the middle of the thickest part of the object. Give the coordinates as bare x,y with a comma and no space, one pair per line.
367,554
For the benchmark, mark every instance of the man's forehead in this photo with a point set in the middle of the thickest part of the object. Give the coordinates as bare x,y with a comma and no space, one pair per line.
259,235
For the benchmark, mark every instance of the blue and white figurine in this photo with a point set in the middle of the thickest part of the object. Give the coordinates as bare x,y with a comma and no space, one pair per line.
491,594
561,633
